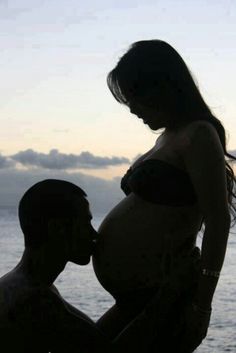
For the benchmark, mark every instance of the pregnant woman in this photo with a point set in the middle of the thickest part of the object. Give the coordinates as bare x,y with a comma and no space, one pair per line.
147,243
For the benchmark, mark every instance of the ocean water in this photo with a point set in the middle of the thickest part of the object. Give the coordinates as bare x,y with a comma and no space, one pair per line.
80,287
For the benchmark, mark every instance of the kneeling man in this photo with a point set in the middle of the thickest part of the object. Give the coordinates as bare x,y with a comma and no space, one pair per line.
56,222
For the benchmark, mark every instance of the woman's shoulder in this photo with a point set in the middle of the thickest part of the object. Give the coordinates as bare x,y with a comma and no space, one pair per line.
198,125
196,132
199,141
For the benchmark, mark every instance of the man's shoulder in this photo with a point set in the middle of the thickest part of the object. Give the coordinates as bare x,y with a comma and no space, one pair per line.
22,318
29,307
39,299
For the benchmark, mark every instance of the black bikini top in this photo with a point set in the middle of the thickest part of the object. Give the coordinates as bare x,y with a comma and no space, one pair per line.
159,182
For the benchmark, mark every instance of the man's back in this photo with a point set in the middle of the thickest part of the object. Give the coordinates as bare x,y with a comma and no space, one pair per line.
19,316
37,319
55,220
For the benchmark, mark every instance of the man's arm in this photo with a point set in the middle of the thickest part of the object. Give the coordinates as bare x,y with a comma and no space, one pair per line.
60,329
73,331
70,307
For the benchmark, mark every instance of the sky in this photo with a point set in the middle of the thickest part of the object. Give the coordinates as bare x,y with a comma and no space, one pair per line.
58,117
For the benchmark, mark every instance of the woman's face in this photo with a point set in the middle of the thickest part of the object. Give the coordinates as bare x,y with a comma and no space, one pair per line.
153,107
151,114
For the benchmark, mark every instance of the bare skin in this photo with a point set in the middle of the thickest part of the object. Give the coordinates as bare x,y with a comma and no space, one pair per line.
135,232
139,244
26,306
124,227
34,317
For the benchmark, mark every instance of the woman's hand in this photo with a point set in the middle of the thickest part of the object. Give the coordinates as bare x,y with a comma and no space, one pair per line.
196,322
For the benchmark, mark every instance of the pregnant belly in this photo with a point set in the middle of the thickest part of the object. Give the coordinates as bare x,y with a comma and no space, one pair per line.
127,273
126,260
134,244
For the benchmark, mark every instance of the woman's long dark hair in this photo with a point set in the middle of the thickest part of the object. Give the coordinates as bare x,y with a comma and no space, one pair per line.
155,66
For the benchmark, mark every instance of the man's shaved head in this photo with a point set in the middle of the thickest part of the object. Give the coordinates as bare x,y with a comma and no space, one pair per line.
46,200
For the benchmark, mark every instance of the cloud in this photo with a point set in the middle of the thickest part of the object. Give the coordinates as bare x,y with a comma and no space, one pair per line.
55,160
5,162
14,183
61,161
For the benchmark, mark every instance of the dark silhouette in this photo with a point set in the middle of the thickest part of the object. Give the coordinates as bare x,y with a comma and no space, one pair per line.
55,219
146,254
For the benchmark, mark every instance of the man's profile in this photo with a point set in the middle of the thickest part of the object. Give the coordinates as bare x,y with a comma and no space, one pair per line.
56,222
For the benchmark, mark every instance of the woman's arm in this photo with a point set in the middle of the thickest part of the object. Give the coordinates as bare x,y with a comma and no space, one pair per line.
203,156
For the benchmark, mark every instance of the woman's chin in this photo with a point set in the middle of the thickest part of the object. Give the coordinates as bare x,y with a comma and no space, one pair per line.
152,125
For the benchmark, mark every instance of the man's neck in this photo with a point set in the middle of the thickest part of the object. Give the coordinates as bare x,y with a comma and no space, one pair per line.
40,268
